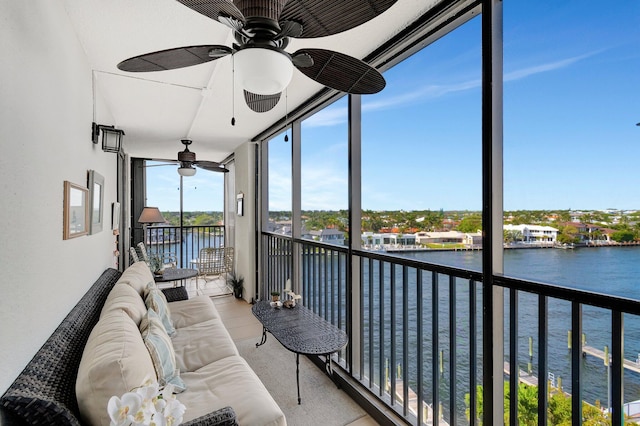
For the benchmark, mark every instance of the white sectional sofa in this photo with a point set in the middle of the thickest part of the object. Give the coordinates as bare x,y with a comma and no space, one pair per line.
116,360
98,352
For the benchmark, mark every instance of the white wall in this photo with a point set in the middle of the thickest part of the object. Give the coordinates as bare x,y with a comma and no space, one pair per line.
46,110
245,229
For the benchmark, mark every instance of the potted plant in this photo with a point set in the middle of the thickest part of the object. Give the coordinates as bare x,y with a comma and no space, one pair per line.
236,282
275,296
155,264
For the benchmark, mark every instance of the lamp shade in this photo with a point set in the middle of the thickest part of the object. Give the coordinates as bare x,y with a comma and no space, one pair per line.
151,215
186,171
263,71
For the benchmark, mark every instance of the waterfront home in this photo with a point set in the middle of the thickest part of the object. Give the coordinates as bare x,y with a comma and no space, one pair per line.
449,237
62,91
326,235
534,233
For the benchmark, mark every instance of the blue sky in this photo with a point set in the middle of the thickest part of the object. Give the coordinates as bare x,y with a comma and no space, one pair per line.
571,102
202,192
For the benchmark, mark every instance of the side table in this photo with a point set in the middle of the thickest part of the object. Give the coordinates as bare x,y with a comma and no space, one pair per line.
175,274
300,331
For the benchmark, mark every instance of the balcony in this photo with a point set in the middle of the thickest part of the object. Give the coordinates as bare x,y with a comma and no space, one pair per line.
420,344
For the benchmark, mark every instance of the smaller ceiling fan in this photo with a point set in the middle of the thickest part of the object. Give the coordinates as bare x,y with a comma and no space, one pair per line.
187,160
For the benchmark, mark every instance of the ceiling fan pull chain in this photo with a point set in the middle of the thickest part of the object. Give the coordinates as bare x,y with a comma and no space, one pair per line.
286,114
233,90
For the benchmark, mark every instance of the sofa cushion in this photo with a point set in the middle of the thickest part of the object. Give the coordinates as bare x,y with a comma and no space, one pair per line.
230,381
115,361
193,311
137,276
154,299
126,298
201,344
160,348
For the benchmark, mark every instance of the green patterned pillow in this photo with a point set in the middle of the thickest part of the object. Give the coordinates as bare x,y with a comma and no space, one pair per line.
160,348
155,299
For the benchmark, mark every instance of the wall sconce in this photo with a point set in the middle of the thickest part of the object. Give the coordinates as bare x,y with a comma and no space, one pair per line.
111,137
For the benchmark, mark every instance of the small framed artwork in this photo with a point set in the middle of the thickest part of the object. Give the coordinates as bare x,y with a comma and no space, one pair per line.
96,192
240,204
115,216
75,211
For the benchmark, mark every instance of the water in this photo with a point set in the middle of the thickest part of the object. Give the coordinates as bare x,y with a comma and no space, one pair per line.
610,270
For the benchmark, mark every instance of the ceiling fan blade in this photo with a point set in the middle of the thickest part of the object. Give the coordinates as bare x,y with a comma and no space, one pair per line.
214,8
323,18
170,59
261,103
341,72
211,166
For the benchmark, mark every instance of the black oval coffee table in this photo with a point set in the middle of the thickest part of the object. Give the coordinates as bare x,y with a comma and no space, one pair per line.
302,332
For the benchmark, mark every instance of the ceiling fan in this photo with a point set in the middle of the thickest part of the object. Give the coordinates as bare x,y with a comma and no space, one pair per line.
187,160
263,29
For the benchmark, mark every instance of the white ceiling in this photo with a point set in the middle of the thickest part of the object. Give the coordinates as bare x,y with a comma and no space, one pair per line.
157,109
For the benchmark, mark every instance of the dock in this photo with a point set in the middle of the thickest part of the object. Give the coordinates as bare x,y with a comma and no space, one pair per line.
629,365
427,412
526,378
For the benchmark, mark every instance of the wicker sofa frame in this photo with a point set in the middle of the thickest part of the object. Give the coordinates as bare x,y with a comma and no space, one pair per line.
44,392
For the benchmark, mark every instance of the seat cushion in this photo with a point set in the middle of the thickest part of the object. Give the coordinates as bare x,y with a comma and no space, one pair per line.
114,361
192,311
201,344
230,382
126,298
160,348
137,276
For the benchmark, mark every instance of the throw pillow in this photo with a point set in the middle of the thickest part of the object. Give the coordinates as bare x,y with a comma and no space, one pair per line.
155,299
114,361
160,348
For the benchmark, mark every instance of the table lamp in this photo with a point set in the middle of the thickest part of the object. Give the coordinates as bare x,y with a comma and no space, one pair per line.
149,215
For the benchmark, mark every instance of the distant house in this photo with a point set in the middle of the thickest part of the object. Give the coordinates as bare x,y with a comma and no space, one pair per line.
535,233
375,240
327,235
281,227
425,237
588,232
473,240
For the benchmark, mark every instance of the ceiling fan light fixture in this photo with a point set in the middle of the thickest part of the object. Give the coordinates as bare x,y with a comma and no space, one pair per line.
263,71
186,171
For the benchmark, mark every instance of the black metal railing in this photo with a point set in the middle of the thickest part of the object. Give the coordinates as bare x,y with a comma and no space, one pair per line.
417,341
184,243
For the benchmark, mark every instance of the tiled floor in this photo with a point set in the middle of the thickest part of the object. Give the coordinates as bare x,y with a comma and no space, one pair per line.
237,317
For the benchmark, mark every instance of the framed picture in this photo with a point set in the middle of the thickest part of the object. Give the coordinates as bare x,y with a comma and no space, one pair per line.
75,211
115,216
96,192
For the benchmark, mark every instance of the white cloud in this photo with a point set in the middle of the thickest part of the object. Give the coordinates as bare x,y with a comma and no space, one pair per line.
550,66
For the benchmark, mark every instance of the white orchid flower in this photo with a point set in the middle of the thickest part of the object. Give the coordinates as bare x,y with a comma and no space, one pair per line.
173,412
122,410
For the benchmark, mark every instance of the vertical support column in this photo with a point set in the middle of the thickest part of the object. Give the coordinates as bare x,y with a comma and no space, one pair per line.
355,226
453,340
576,363
492,207
263,180
473,352
617,368
514,366
296,205
435,348
543,361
